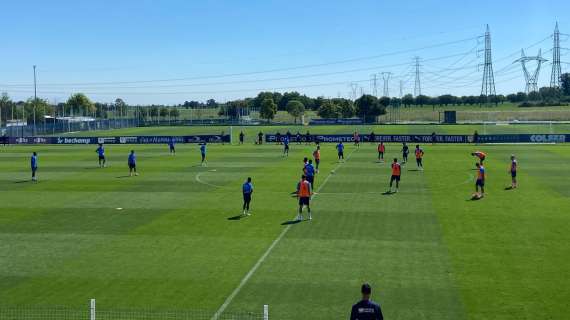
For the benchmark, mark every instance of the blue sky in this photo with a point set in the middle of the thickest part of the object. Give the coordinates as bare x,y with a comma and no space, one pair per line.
172,51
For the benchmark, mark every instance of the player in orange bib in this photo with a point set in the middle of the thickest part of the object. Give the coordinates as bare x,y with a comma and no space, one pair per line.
419,156
317,157
480,182
396,173
481,155
304,193
381,150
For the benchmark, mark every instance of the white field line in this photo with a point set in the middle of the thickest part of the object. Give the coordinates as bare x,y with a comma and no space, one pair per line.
197,178
245,279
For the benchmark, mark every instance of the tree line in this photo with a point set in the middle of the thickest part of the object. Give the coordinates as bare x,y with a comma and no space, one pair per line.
367,107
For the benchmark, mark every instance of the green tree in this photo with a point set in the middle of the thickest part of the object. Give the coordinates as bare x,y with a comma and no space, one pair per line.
345,106
328,110
6,108
268,109
384,101
79,104
565,84
37,107
369,108
163,112
295,108
154,112
408,100
174,113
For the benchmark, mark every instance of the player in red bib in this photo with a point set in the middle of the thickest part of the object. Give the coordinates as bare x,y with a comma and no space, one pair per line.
381,150
396,173
480,182
481,155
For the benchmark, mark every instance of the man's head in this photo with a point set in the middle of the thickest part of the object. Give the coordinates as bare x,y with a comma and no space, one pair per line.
318,147
303,177
100,144
395,160
35,153
417,146
478,165
132,151
305,159
248,179
366,290
472,153
310,161
512,157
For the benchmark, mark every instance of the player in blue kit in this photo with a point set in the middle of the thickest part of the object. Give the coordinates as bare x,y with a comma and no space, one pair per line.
247,190
340,150
101,153
203,153
285,146
132,162
34,166
310,173
171,146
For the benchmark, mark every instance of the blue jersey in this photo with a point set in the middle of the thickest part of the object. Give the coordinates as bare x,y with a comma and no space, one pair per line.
101,151
286,141
310,170
340,147
34,162
247,188
132,158
203,149
171,143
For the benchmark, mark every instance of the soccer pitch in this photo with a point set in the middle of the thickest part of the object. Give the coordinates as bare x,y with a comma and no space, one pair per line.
429,252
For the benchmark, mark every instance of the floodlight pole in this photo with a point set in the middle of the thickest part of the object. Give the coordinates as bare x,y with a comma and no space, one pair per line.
35,99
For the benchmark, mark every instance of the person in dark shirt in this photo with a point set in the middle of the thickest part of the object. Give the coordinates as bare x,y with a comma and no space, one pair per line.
260,137
366,309
241,136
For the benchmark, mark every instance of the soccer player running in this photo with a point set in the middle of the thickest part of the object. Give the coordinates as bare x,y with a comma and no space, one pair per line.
247,190
381,150
101,153
419,156
171,146
310,173
340,151
304,193
34,165
317,157
480,182
481,155
132,162
203,154
405,152
285,146
396,173
513,169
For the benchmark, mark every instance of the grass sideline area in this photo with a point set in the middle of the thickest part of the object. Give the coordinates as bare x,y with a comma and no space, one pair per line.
428,251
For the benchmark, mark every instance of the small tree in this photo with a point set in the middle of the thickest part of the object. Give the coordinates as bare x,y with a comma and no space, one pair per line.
174,113
565,84
79,103
268,109
295,108
369,108
328,110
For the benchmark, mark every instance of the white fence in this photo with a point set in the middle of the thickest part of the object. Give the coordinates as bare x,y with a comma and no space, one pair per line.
92,312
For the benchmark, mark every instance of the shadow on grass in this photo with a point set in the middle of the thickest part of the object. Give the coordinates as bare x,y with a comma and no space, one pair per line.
22,181
388,193
415,170
121,177
290,222
236,218
509,188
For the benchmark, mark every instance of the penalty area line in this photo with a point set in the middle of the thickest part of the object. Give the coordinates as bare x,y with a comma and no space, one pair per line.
250,273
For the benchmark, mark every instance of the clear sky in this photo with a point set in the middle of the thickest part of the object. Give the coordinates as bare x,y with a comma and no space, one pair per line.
171,51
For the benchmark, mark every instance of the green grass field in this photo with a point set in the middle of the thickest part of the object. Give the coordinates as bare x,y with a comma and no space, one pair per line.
429,252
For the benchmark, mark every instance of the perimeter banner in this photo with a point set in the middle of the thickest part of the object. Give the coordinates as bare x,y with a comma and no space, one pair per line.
426,138
120,139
